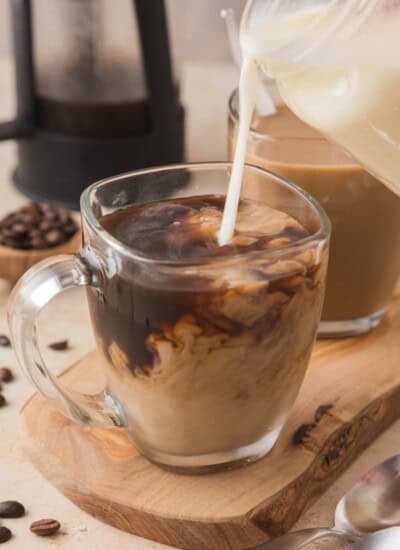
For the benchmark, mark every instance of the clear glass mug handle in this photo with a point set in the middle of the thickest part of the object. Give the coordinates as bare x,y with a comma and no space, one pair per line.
33,291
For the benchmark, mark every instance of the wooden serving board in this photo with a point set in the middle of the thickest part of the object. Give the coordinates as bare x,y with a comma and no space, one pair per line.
102,473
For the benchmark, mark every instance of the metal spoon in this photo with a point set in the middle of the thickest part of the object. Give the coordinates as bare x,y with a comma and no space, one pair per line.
326,539
387,539
372,504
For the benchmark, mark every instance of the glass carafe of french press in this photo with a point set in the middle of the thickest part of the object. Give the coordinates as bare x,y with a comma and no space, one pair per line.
98,91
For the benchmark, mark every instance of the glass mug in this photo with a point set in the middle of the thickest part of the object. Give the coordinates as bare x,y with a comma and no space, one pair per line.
203,359
365,246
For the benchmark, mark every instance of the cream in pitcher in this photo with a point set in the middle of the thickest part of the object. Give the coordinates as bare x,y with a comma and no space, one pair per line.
336,64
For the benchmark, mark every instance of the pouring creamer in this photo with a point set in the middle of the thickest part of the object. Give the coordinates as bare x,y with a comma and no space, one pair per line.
337,66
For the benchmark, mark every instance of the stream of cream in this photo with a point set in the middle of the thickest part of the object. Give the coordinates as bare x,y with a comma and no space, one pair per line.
349,92
247,95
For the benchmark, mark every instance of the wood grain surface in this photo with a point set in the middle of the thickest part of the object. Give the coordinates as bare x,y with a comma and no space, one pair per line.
102,473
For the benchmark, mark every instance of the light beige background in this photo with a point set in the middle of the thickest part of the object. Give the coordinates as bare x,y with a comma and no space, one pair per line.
4,26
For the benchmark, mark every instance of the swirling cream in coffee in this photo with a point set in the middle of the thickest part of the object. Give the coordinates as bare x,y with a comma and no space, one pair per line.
187,228
202,341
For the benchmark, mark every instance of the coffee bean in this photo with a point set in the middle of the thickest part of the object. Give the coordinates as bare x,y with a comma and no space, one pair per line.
3,401
69,228
45,527
35,233
62,345
6,375
54,237
27,218
321,412
5,342
32,207
46,225
50,215
11,509
63,215
9,233
19,229
302,433
5,534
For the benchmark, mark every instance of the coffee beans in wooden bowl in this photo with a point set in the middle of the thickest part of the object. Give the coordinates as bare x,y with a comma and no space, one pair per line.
36,227
33,233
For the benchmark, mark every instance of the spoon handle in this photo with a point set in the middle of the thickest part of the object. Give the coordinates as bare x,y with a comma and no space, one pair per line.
297,540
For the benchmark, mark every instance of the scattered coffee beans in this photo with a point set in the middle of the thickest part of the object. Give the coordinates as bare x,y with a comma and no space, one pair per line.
322,411
6,375
4,341
3,401
37,226
11,509
5,534
45,527
62,345
300,434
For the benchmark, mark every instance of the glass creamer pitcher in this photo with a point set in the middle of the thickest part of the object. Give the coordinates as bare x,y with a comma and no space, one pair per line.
337,66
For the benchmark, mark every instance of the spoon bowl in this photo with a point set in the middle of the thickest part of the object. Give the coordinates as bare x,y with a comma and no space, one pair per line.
329,539
324,539
374,502
387,539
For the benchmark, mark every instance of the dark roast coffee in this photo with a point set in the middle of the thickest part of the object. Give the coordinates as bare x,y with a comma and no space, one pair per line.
193,331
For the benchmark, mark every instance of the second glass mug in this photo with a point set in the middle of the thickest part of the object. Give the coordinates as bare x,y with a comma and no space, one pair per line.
195,388
364,260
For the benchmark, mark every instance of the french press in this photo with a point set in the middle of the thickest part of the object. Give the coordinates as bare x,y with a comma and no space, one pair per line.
97,92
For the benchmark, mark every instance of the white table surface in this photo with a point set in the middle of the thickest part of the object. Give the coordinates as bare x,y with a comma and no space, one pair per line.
205,92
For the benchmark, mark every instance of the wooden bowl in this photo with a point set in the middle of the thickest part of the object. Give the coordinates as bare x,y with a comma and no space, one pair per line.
14,262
